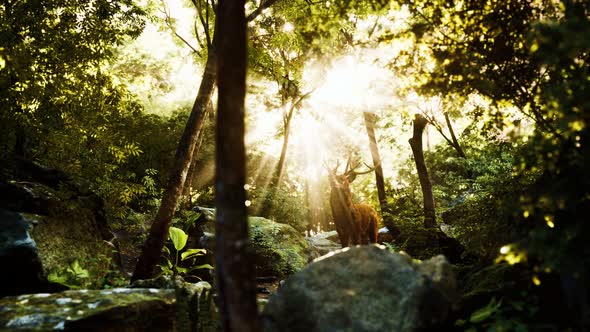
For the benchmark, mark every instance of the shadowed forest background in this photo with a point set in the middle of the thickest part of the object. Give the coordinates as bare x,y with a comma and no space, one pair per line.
464,124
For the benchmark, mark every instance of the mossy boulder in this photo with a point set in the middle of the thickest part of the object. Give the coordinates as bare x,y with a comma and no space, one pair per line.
19,259
71,235
279,249
187,307
364,288
120,309
71,228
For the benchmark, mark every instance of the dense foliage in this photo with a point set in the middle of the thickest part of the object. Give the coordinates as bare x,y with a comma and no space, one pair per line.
509,81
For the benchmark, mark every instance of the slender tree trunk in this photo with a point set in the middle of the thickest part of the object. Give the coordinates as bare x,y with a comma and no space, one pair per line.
416,144
234,257
287,127
192,171
281,164
455,142
370,126
152,248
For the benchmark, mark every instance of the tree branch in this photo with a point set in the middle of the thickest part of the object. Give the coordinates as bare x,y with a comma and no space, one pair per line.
263,5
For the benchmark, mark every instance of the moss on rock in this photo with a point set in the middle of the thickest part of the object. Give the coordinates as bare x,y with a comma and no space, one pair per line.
280,249
120,309
69,236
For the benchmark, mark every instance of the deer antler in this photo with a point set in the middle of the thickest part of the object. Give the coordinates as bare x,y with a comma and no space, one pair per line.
329,169
351,167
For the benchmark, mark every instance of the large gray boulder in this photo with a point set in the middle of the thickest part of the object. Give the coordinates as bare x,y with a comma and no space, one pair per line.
363,288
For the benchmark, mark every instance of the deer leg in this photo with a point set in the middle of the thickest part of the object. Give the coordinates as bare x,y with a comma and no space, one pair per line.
373,231
356,227
343,237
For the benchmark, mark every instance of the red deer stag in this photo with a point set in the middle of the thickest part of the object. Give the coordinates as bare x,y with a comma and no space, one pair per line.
355,223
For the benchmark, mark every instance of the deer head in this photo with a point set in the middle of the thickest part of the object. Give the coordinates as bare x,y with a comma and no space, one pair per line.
342,181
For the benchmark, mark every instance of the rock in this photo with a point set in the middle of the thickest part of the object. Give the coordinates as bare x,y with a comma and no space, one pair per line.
162,281
332,236
279,249
195,310
323,245
384,235
74,230
363,288
442,275
19,259
70,228
119,309
188,308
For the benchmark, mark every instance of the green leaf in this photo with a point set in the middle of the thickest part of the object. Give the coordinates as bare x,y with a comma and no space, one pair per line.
485,312
165,270
58,278
192,253
178,237
203,266
182,270
77,271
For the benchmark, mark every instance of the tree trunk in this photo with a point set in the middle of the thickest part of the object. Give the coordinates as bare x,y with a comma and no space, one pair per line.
281,164
192,171
184,154
287,127
370,126
455,143
234,257
416,144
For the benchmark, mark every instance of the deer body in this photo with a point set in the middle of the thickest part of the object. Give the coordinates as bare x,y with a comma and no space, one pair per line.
355,223
366,223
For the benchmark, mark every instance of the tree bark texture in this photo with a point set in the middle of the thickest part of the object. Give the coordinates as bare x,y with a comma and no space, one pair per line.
370,126
152,248
417,149
283,157
192,171
184,154
233,253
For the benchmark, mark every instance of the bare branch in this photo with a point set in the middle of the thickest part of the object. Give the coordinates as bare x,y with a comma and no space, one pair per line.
197,34
264,4
205,25
168,21
208,25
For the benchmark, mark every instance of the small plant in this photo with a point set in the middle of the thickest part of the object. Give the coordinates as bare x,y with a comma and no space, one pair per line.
179,239
391,247
73,276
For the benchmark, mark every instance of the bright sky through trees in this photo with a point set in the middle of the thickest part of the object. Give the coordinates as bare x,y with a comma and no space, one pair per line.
330,118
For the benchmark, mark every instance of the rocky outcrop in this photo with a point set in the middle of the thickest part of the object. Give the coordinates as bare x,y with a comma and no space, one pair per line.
323,244
120,309
279,249
187,307
69,224
363,288
19,259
